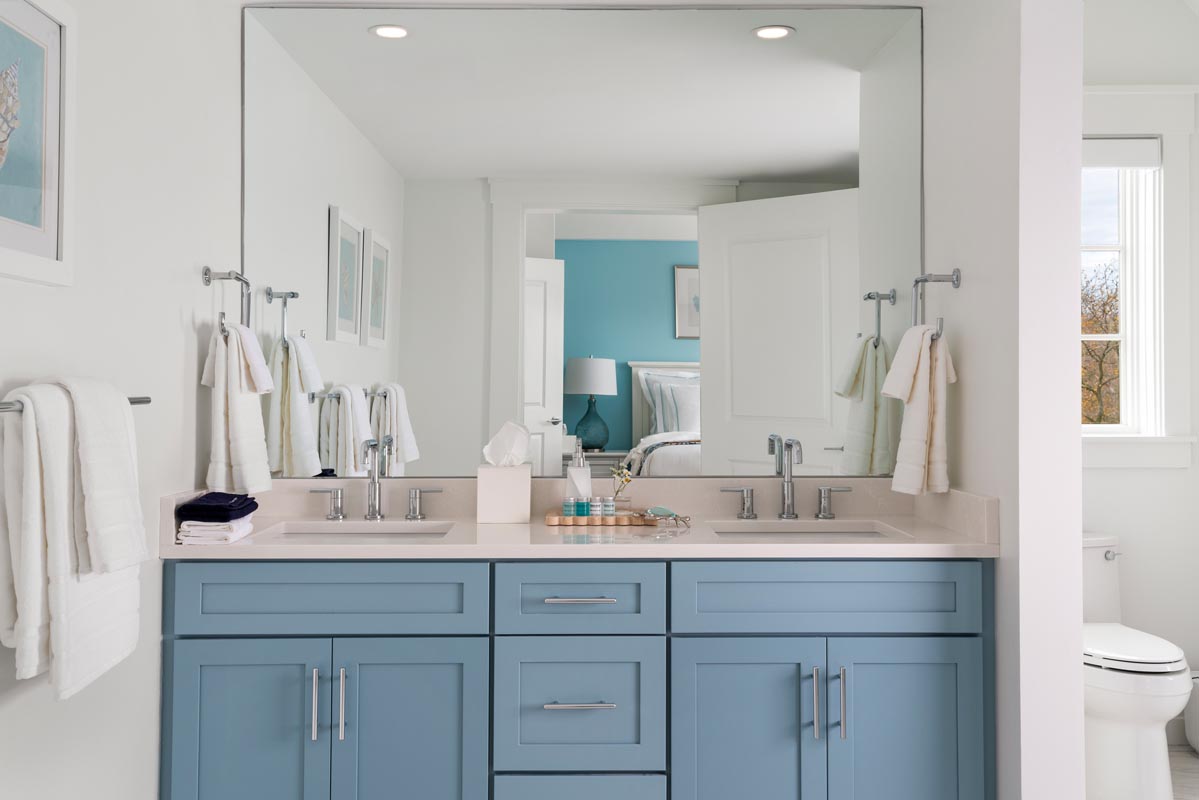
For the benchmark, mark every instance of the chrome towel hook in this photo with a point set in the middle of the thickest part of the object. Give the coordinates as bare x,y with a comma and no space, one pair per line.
954,278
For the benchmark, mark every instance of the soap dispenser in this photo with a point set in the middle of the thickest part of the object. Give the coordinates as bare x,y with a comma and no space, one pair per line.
578,474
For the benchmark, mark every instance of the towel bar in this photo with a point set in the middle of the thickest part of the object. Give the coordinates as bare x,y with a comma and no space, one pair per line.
954,278
18,406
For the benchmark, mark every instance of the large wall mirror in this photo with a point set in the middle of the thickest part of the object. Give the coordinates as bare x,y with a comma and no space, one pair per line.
665,233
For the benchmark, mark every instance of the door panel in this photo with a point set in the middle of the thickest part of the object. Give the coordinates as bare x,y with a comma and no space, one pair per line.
543,342
415,719
915,719
742,718
240,720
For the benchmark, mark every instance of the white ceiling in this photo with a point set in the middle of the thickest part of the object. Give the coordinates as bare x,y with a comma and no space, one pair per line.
555,93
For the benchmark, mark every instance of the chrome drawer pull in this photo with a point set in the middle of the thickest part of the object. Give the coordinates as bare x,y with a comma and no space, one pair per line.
315,702
578,706
816,702
844,718
341,725
580,601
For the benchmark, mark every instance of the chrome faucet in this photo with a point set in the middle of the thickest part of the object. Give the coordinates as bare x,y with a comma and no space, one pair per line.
415,514
373,454
826,500
774,446
793,453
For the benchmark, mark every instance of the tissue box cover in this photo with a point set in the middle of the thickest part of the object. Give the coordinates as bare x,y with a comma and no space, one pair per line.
505,493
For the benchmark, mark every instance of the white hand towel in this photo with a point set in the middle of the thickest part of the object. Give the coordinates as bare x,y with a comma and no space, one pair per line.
919,376
238,462
107,465
349,411
361,425
326,437
290,434
389,417
310,375
92,619
257,376
868,438
215,532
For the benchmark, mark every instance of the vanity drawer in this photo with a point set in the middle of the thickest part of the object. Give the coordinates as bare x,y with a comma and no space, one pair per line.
540,684
580,787
580,598
827,597
325,598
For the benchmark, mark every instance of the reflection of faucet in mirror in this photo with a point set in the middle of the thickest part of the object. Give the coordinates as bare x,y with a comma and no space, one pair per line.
793,454
774,446
373,454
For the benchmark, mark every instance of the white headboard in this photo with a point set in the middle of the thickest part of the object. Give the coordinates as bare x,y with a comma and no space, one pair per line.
641,417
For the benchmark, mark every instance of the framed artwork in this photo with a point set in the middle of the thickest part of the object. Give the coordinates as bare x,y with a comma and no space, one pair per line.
37,105
345,278
686,301
376,268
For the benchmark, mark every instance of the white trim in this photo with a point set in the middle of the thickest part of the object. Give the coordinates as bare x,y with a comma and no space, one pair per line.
27,266
1123,112
1136,452
511,201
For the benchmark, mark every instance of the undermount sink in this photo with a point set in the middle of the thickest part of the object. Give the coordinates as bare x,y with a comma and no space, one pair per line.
857,528
360,526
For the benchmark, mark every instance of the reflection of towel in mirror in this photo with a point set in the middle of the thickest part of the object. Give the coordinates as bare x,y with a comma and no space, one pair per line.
919,376
389,417
238,461
59,608
869,449
290,434
345,425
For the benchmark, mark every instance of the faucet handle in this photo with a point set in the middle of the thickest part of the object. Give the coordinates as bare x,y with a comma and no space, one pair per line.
337,509
747,501
415,514
825,510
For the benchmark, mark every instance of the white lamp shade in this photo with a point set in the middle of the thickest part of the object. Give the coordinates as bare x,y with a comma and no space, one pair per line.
590,376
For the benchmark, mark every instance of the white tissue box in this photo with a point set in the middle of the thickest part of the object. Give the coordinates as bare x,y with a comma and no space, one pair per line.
505,493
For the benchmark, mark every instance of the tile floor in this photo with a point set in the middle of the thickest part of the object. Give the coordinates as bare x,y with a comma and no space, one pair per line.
1184,769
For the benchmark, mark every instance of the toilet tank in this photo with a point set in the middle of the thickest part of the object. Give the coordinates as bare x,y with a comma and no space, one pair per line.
1100,579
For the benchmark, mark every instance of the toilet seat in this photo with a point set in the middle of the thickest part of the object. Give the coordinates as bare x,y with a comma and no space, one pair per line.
1116,647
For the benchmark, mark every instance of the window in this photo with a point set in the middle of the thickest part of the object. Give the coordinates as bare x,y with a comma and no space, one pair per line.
1120,283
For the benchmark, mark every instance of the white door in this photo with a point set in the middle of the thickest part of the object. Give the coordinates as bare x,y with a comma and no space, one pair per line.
544,286
779,281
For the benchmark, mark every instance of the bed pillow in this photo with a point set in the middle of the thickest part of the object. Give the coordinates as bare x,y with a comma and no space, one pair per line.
683,408
652,383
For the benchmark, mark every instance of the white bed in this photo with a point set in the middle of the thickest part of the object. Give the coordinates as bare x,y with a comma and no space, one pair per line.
674,453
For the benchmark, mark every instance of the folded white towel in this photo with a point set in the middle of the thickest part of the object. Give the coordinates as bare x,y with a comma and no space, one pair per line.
238,461
309,373
919,376
290,433
191,532
76,625
389,417
257,377
868,443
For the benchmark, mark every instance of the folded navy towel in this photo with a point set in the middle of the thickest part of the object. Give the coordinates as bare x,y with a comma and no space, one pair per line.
216,507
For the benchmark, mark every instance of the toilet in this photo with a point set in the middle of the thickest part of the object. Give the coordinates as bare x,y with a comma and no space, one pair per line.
1134,683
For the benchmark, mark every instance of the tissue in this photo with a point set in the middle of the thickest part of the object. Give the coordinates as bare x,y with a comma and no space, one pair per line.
509,447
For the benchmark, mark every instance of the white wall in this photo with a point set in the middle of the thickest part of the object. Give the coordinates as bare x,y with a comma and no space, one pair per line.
303,155
443,319
159,197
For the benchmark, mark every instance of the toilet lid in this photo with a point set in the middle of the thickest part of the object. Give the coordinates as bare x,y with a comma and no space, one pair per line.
1114,646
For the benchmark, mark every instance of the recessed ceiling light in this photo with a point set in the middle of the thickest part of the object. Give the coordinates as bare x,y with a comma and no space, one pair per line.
389,31
774,31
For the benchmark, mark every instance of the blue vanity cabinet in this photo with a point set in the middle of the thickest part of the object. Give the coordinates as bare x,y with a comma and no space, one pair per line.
747,718
240,721
913,721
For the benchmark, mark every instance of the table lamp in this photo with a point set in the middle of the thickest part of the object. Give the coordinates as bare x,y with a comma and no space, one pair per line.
591,376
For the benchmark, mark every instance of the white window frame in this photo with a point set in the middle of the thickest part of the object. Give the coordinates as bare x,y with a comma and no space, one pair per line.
1162,410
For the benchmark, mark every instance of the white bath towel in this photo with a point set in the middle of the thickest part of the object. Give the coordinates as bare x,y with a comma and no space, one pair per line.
238,462
258,374
290,433
919,376
350,424
74,624
191,532
106,453
310,374
869,449
389,417
326,436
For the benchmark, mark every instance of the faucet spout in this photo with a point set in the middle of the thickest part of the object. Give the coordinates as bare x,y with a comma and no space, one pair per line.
792,454
371,454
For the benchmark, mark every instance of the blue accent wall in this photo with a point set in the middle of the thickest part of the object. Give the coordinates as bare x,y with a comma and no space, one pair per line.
619,303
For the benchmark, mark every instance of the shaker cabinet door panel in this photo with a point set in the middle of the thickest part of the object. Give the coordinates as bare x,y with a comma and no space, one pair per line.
415,719
913,726
748,718
239,722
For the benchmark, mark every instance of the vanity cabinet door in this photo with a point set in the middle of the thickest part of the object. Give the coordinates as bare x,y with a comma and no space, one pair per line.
239,723
743,718
415,719
913,727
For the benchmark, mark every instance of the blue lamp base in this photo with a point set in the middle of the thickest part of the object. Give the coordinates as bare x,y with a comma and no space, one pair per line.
591,429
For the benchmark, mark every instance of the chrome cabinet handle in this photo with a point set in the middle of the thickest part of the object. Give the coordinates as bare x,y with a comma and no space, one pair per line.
816,702
341,724
315,701
580,601
844,718
578,706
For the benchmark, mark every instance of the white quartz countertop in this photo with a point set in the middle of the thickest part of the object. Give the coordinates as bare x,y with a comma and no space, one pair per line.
883,536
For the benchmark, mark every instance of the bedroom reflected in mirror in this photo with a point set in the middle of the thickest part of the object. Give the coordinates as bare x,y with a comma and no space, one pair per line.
649,232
